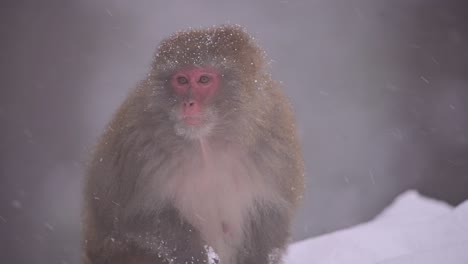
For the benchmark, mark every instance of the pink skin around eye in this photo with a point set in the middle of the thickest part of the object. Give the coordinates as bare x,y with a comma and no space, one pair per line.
186,83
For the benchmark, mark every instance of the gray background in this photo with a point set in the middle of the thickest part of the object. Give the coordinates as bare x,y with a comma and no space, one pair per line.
380,89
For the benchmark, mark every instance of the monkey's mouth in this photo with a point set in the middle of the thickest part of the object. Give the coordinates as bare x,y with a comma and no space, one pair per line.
194,126
192,120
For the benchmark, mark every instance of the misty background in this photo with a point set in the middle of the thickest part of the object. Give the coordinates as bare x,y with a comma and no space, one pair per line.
380,90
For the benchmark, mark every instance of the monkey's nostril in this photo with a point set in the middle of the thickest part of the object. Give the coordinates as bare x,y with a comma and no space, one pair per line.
189,104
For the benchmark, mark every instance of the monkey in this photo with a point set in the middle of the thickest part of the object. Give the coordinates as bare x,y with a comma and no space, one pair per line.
200,164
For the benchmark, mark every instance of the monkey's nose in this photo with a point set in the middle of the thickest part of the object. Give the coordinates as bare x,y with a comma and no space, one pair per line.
191,108
189,103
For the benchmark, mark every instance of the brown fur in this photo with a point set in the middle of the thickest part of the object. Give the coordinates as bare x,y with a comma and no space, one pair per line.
136,208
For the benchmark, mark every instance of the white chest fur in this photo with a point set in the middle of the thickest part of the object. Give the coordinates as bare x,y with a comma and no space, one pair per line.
215,193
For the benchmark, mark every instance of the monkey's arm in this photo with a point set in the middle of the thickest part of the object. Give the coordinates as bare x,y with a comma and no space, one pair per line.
269,231
157,239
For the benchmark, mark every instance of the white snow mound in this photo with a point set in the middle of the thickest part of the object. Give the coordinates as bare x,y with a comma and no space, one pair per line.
412,230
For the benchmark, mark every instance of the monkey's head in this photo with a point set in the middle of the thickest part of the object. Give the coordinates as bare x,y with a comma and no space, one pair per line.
206,78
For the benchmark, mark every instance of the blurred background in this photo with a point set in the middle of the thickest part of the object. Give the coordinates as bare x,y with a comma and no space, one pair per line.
380,89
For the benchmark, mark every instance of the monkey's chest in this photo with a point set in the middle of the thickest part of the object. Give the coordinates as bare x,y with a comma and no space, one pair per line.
216,198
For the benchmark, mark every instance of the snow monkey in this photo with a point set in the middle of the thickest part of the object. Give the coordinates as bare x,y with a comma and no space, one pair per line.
200,164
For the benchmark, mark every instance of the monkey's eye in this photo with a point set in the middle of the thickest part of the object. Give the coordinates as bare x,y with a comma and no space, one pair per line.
204,79
182,80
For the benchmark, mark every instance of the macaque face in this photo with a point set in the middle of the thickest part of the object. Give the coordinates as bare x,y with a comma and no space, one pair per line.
194,87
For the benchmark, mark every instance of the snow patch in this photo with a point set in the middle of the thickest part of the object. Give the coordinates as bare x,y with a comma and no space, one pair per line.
412,230
213,258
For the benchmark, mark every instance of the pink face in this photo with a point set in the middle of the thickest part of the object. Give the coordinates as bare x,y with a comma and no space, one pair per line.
196,86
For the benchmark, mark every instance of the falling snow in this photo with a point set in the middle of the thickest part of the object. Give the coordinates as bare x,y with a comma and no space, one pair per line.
16,204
